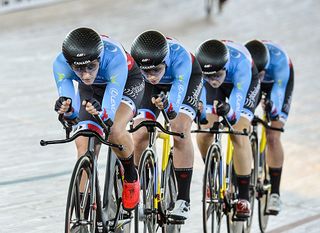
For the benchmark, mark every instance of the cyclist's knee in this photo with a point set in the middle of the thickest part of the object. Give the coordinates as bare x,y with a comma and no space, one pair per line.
140,136
82,145
117,133
242,124
203,137
273,139
181,124
240,141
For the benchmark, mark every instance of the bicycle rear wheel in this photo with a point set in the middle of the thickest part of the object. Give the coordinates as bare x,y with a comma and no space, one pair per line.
78,217
212,204
264,187
169,196
253,179
145,214
234,225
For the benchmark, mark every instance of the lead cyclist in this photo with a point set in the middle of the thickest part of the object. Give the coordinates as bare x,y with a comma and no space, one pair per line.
109,85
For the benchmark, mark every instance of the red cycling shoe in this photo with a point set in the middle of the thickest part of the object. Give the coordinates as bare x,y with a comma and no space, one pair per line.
130,194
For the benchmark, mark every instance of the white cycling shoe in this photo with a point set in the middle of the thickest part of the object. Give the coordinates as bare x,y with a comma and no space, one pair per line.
274,204
181,210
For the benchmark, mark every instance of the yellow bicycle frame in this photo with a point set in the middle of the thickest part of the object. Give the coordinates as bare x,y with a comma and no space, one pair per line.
228,162
165,158
229,154
263,141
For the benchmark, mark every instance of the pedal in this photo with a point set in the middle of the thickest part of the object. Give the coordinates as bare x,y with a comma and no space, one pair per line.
237,219
175,221
123,222
127,215
266,187
271,212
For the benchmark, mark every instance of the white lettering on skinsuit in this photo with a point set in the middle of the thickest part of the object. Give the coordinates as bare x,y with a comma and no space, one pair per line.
238,103
250,101
113,95
180,90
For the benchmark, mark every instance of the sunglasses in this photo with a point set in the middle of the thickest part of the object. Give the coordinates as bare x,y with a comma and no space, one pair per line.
88,68
215,75
154,70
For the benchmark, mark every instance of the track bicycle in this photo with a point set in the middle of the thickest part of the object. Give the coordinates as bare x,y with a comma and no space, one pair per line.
85,213
219,190
158,188
261,175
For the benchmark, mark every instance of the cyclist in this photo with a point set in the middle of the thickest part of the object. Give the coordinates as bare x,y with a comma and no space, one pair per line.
109,85
277,75
167,66
228,73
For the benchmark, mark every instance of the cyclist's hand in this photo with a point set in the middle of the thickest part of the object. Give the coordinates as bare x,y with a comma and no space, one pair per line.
92,106
268,104
72,121
160,101
222,108
200,107
200,115
270,110
172,114
63,105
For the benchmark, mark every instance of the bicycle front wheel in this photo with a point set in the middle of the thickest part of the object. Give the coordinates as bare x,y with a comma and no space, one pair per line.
80,216
264,187
253,179
146,214
169,196
212,203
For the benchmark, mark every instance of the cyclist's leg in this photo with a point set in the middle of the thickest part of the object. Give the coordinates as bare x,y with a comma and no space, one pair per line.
242,159
275,154
274,158
242,147
183,154
205,140
131,98
147,111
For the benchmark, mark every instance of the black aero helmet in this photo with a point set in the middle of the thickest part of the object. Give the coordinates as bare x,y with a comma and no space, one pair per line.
212,56
149,49
81,46
259,53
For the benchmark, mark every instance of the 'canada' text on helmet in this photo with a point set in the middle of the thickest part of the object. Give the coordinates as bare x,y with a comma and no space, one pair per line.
212,56
81,46
149,49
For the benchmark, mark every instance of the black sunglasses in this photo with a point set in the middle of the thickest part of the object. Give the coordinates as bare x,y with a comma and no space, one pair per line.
90,67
